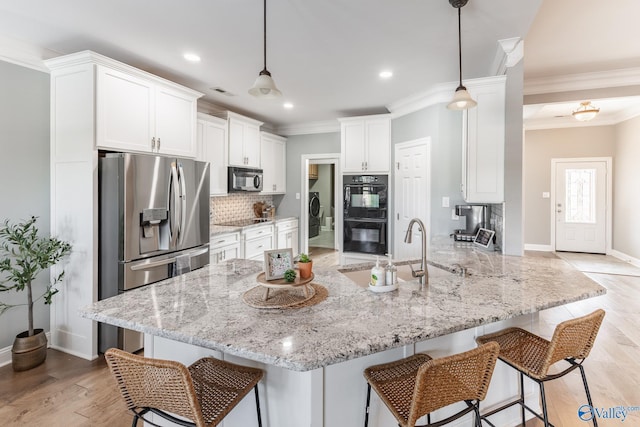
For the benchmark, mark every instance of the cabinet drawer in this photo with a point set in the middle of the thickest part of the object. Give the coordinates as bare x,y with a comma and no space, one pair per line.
256,232
255,248
287,225
224,239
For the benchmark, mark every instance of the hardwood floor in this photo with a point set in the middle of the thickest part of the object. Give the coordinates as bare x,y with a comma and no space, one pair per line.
68,391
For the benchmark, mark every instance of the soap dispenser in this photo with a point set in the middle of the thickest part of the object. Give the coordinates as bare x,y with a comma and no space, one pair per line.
391,273
377,274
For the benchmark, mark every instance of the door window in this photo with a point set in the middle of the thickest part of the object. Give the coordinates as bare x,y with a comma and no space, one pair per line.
580,196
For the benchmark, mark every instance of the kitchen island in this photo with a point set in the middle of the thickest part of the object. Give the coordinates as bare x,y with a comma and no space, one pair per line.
314,356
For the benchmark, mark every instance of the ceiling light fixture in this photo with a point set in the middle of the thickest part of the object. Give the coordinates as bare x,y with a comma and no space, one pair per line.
386,74
264,86
585,111
461,98
191,57
287,105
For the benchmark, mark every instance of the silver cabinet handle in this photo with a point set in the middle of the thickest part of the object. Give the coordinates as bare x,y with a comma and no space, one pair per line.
153,143
158,144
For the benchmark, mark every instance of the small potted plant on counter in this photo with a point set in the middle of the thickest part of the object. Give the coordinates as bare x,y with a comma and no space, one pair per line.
23,255
304,265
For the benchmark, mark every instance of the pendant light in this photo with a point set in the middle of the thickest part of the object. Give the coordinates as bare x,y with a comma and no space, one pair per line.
586,111
461,98
264,86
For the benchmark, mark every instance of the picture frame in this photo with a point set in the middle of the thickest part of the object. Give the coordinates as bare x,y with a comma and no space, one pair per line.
484,238
276,262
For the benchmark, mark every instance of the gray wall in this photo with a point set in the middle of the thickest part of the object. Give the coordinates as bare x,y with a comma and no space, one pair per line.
24,162
444,127
626,200
513,207
297,145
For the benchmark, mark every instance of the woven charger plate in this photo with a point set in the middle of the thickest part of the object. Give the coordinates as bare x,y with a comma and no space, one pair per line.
285,298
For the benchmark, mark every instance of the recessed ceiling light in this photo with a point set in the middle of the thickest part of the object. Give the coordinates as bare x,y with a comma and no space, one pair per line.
191,57
288,105
386,74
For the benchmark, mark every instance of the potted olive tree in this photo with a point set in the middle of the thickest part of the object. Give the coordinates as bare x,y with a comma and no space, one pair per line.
24,255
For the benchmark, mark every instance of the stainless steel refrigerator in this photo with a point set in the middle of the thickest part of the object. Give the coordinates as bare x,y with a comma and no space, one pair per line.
153,224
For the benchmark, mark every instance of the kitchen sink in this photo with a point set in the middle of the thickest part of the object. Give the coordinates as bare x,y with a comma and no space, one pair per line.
362,277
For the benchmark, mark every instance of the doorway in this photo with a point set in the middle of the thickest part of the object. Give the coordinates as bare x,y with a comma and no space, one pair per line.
412,194
581,205
321,208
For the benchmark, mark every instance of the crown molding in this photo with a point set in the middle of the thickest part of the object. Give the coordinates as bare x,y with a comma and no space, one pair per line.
509,53
583,81
325,126
25,54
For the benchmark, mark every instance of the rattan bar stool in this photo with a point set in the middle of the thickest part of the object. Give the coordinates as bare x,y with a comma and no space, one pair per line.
205,392
418,385
532,356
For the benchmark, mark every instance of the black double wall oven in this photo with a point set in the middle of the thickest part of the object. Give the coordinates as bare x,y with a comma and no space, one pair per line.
365,213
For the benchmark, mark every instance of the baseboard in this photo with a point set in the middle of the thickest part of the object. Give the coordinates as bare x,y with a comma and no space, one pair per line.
539,248
624,257
5,353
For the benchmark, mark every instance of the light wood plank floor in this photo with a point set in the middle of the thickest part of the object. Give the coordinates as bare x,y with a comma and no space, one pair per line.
67,391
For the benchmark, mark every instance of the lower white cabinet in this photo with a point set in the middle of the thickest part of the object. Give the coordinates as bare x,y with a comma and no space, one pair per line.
223,247
287,234
256,240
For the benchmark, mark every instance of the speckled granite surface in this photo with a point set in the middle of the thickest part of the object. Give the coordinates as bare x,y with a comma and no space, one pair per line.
217,229
205,308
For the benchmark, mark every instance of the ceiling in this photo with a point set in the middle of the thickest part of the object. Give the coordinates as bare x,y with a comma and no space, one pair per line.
325,56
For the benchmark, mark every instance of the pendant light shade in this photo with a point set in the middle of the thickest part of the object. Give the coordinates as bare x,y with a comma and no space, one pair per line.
585,111
264,86
461,98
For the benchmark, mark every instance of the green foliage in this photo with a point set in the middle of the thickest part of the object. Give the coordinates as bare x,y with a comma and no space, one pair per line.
290,275
23,255
304,258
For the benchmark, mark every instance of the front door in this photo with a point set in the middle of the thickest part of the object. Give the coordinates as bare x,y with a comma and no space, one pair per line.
411,195
580,206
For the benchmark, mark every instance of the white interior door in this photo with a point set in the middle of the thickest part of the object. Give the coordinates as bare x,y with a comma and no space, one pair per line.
581,206
411,195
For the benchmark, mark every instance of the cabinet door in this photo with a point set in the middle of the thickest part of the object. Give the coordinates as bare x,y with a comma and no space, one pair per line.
280,162
236,144
212,142
378,137
251,143
175,122
224,253
124,111
353,147
268,154
254,249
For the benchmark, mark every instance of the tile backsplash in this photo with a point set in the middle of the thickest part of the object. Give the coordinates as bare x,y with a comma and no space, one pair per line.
235,206
497,221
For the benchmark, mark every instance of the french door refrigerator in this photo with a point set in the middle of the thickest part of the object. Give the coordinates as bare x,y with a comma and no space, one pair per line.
153,224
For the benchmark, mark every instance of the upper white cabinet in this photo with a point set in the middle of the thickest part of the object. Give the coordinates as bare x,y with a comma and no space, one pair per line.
244,141
273,153
212,148
366,144
137,112
483,142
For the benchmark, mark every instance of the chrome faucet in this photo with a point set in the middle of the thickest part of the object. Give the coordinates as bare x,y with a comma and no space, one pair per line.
422,274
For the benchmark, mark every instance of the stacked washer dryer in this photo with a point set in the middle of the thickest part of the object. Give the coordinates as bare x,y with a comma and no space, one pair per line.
314,214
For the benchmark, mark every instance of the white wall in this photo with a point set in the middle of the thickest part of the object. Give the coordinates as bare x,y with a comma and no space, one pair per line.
626,195
24,162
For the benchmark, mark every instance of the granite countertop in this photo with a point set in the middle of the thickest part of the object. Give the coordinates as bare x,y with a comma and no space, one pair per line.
242,224
205,307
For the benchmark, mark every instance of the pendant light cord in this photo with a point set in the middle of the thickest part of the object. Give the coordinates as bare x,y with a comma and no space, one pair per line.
265,35
459,47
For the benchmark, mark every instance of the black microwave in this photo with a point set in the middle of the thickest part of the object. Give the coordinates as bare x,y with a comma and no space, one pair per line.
244,179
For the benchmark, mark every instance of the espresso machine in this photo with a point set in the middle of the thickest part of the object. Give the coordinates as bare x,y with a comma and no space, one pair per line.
476,217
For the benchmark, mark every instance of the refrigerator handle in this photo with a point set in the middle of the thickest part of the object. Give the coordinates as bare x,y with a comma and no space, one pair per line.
176,201
152,264
183,204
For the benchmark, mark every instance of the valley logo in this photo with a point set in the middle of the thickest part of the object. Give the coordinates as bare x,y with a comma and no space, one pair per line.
588,412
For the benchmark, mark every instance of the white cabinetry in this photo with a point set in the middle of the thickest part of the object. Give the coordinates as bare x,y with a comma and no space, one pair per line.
224,246
287,232
273,154
366,144
483,142
212,148
89,112
244,141
256,240
142,113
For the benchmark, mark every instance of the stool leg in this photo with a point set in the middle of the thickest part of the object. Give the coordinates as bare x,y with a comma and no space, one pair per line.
255,389
586,389
366,413
544,406
522,398
476,409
